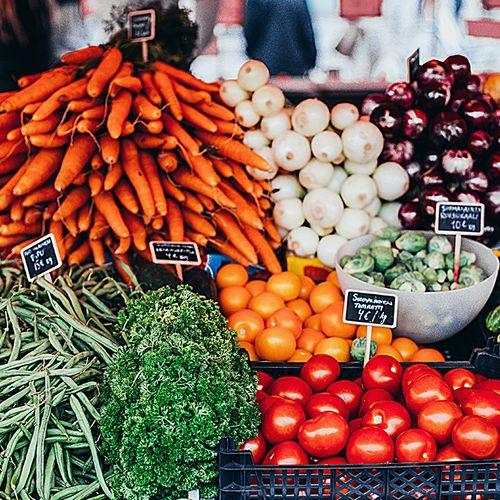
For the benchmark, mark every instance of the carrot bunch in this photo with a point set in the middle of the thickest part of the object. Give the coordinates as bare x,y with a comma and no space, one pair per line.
107,154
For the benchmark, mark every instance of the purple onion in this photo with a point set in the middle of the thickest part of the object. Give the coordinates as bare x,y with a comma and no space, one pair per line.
370,102
414,169
430,197
492,202
489,101
433,71
435,96
457,162
493,167
401,152
496,138
431,160
388,119
467,197
448,129
459,67
476,181
473,83
414,123
410,216
401,94
459,97
479,142
496,119
432,179
477,113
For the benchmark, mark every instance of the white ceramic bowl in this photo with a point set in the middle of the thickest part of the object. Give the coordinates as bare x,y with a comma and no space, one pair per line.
428,317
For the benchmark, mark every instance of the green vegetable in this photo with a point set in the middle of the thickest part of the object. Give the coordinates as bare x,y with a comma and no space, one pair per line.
412,241
383,258
493,320
360,264
439,243
441,276
388,233
409,282
380,243
471,275
435,260
466,259
172,393
405,257
430,276
358,348
393,272
345,259
364,277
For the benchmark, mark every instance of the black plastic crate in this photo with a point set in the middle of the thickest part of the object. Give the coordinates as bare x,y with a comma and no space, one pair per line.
241,479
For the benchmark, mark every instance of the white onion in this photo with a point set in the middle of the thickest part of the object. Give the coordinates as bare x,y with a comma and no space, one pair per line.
351,167
291,150
316,174
255,139
245,114
288,213
343,115
358,191
373,208
326,146
273,126
376,224
231,93
353,223
282,232
252,75
362,142
328,247
268,100
262,175
338,178
392,180
310,117
390,213
285,186
303,241
322,231
339,160
322,207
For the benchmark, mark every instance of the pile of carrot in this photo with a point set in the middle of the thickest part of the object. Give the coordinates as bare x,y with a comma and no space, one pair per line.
108,154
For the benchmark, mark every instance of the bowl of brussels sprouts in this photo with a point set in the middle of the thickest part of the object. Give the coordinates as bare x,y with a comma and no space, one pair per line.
417,266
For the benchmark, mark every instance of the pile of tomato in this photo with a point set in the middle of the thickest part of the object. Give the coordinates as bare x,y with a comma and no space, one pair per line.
389,414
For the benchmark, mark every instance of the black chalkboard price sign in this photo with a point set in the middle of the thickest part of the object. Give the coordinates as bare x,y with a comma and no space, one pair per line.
413,64
459,218
373,309
41,257
141,25
175,252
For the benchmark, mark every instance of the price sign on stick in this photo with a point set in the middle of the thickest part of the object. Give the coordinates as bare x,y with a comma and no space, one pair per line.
41,257
142,28
370,309
413,64
459,219
180,253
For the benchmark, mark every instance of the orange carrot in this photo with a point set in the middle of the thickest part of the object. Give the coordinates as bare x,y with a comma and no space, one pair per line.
198,223
264,203
152,175
257,190
120,108
88,126
222,167
241,177
126,196
32,215
16,210
29,109
162,141
15,228
228,128
190,96
10,241
154,127
106,204
192,203
230,251
99,228
166,89
95,113
245,212
74,200
198,238
80,179
82,56
110,149
172,190
185,77
84,220
197,119
68,127
69,243
96,162
131,83
157,223
107,68
5,218
123,246
39,196
97,249
150,88
133,170
26,80
80,255
206,202
48,141
217,111
113,175
136,229
126,70
76,158
41,127
9,148
81,105
266,253
175,129
49,210
9,120
15,134
6,195
10,164
145,108
16,250
203,168
128,128
175,221
70,222
167,161
271,230
56,228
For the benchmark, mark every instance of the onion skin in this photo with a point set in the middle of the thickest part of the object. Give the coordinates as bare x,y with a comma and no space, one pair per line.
411,216
430,198
492,201
477,181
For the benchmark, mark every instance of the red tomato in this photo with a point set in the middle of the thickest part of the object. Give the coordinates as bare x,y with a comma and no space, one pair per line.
293,388
325,401
281,422
460,377
371,397
266,403
257,446
369,445
383,372
260,395
287,453
476,437
320,371
438,418
350,392
355,424
481,378
483,403
491,384
326,473
450,454
416,371
264,381
415,445
460,394
324,435
425,389
389,416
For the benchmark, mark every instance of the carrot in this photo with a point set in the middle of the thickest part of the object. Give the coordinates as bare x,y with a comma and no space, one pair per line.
9,148
206,202
145,108
241,177
69,243
49,210
80,255
126,69
84,219
95,113
107,68
10,241
264,203
16,250
153,127
198,238
228,128
167,161
80,179
192,203
245,212
15,228
48,141
135,173
42,127
131,83
175,129
199,223
39,196
203,168
126,196
10,164
230,251
5,218
123,246
71,223
265,251
197,119
120,108
6,195
99,227
110,149
148,141
152,175
74,200
257,190
157,223
185,77
26,80
128,128
166,89
217,111
32,215
175,221
137,230
232,231
97,249
106,204
271,230
190,96
68,127
88,126
9,120
16,210
56,228
96,162
172,190
81,105
113,175
29,109
5,95
150,88
15,134
81,56
76,158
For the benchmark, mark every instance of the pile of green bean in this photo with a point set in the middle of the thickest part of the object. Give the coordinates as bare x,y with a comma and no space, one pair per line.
55,340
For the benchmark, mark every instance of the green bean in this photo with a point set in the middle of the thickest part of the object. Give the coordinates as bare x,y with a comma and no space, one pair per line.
7,403
55,342
67,339
3,337
48,474
73,299
67,461
91,488
8,479
54,293
99,304
83,398
69,492
8,453
60,463
25,496
17,332
40,446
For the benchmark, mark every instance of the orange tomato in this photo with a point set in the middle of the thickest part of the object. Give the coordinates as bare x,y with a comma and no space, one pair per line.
388,350
231,275
336,347
275,344
287,318
380,334
233,298
300,356
247,324
332,324
285,284
324,295
313,321
255,287
306,285
265,303
406,347
427,355
309,338
250,349
301,307
333,278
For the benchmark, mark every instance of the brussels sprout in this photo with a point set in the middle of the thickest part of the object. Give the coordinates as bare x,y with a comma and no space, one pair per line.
405,257
445,287
363,277
358,348
421,255
393,272
360,264
430,276
365,251
457,286
440,244
434,287
380,243
450,275
388,233
435,260
441,276
410,282
383,258
471,275
378,279
411,242
466,259
418,265
345,259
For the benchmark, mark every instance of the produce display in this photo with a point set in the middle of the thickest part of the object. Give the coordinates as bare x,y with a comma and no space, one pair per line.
406,261
445,132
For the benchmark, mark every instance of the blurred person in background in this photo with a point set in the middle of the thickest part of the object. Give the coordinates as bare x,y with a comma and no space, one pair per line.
68,27
25,39
280,34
